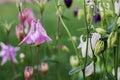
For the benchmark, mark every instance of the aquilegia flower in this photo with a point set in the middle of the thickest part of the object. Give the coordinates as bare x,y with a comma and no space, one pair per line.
37,34
26,16
117,7
8,52
68,3
95,37
97,18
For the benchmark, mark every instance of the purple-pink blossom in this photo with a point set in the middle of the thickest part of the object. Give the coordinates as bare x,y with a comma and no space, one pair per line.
8,53
37,34
26,16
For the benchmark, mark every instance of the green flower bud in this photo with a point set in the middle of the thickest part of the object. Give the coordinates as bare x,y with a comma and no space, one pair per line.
80,13
74,61
100,30
118,21
7,26
112,39
65,48
41,5
99,47
88,17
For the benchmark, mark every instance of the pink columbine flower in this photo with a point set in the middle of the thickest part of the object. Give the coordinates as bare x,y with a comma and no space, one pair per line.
8,52
26,16
37,34
20,33
95,37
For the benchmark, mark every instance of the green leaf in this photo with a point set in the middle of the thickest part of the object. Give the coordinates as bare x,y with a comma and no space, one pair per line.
75,70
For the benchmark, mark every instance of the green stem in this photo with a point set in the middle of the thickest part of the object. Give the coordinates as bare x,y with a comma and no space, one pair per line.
38,61
87,40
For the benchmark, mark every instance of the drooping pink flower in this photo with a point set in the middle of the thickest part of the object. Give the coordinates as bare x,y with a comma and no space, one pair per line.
8,53
37,34
20,33
91,44
26,16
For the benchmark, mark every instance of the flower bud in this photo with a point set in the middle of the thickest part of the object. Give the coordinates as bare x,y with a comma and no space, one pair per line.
97,18
100,30
112,39
68,3
20,32
65,48
28,72
44,67
99,47
75,11
7,26
88,17
80,13
118,21
22,57
74,61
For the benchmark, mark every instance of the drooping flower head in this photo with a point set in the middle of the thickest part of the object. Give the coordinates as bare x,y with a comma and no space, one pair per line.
8,53
97,18
37,34
117,7
68,3
95,37
26,16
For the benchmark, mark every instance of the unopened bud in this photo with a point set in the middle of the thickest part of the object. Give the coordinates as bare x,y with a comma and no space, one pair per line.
118,21
68,3
97,18
112,39
88,17
74,61
20,32
99,47
28,72
65,48
100,30
22,57
80,13
44,68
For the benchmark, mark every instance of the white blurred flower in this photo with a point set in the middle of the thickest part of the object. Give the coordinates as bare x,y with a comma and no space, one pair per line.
89,69
22,57
118,73
91,44
117,7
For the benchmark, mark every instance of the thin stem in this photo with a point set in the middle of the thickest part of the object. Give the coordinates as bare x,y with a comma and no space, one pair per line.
38,61
69,34
87,39
104,61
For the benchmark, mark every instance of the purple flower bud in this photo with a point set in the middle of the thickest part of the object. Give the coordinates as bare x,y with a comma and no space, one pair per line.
20,32
75,11
26,16
97,18
68,3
